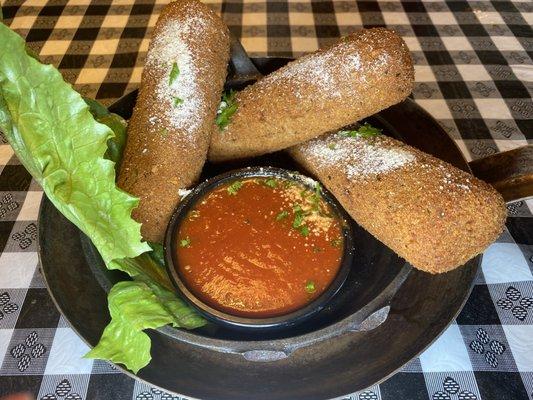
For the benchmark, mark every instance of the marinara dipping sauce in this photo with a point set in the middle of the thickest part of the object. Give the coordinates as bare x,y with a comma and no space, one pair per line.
259,247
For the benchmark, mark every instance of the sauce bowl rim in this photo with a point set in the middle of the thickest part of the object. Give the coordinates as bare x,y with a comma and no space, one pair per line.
234,321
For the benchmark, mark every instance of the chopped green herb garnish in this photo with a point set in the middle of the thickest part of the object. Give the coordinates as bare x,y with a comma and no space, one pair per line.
163,132
304,230
174,73
226,109
177,101
282,215
316,197
185,242
271,183
332,146
364,131
298,219
336,242
318,190
234,188
288,184
317,249
310,287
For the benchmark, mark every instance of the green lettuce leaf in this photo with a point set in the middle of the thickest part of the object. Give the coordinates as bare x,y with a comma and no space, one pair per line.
143,267
158,253
71,151
116,143
96,108
134,307
146,302
57,139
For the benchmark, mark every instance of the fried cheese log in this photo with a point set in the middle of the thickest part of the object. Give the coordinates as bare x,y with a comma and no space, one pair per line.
432,214
361,74
171,125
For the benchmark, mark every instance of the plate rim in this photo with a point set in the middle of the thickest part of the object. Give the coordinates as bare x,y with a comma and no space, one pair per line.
474,264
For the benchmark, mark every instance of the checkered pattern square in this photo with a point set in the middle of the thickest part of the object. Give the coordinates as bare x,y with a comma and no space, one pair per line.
474,73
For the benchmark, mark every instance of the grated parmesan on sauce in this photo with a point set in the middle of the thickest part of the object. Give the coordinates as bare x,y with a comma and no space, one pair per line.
318,221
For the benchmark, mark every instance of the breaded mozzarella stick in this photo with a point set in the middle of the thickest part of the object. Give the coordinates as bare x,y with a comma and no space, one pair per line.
361,74
171,125
432,214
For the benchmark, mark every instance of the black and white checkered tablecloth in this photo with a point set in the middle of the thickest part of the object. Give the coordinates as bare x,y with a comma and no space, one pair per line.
474,73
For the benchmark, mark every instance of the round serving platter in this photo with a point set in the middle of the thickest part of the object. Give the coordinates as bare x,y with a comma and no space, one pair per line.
386,313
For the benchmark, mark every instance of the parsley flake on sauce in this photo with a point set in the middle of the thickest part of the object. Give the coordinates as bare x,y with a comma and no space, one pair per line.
298,222
316,197
298,219
310,287
318,190
288,184
234,188
282,215
336,242
304,230
185,242
226,109
364,131
271,183
174,73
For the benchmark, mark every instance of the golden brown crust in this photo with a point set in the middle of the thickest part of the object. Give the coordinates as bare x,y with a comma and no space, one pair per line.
432,214
354,78
165,152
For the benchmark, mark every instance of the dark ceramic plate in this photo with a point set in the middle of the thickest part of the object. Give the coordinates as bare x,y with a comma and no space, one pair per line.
385,314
